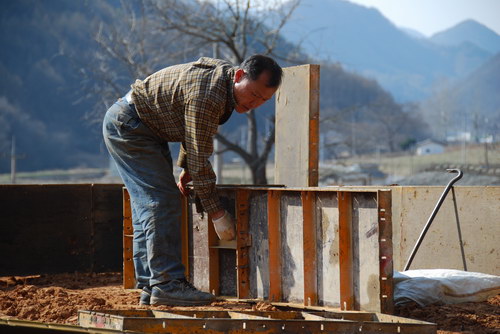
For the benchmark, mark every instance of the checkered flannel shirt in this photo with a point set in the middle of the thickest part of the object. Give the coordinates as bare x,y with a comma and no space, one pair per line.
186,103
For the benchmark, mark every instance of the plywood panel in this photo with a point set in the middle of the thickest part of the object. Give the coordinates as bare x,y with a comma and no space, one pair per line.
292,254
473,212
366,252
328,250
259,252
297,127
198,261
67,227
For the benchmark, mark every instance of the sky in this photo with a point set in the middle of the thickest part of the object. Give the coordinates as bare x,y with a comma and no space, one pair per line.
431,16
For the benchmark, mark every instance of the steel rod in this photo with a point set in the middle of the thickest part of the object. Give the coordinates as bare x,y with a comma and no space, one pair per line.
433,214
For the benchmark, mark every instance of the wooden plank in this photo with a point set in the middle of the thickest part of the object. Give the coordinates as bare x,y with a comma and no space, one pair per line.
199,257
310,248
243,242
185,233
107,217
384,208
292,253
297,127
347,301
62,214
128,236
259,252
213,259
328,249
274,235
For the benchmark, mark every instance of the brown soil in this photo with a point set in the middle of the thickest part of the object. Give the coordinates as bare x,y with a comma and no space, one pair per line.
57,299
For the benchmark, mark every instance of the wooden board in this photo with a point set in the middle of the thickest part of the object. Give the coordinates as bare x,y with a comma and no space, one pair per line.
67,228
297,127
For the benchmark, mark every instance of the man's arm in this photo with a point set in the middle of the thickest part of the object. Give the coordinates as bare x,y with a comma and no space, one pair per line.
201,122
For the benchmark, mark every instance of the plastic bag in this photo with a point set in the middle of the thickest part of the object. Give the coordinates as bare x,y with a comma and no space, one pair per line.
443,286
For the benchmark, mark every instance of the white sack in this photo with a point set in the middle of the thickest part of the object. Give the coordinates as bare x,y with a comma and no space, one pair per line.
443,286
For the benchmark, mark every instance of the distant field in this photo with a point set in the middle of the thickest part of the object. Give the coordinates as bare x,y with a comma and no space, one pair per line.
235,173
405,165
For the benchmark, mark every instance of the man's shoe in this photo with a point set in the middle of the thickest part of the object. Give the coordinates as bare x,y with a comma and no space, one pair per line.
145,296
179,292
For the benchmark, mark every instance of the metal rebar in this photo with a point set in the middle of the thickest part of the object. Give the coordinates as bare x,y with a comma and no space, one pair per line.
433,214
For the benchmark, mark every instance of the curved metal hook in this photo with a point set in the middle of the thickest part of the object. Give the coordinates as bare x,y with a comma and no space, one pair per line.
433,214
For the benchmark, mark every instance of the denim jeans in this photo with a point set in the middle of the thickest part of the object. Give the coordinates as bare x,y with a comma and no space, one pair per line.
145,166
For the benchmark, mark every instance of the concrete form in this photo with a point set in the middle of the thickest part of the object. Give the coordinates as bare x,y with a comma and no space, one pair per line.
315,246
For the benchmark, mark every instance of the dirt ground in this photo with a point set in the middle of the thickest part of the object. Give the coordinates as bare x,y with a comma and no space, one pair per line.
57,299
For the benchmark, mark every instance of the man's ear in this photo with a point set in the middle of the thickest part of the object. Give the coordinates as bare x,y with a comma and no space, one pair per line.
239,75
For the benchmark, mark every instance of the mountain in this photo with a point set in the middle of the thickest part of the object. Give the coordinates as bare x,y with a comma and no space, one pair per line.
413,33
469,31
45,100
364,41
40,90
469,105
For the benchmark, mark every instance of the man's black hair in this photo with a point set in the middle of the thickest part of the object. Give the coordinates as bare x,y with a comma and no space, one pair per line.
256,64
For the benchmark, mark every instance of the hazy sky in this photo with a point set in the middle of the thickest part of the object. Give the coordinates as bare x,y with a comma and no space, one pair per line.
431,16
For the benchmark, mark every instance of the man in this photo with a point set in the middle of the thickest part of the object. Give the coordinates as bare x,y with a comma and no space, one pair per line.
182,103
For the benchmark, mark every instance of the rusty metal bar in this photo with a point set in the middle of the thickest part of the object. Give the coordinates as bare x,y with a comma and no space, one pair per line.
128,236
309,248
384,208
185,233
274,235
243,243
347,301
314,126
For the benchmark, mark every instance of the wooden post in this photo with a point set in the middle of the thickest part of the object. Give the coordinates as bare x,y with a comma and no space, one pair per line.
345,250
128,237
274,235
310,248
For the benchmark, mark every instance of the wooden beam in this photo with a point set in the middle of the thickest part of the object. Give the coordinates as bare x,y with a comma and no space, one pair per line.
345,251
128,237
384,206
274,235
310,248
243,243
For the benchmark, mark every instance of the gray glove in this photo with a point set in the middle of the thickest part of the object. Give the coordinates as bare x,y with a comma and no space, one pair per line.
224,227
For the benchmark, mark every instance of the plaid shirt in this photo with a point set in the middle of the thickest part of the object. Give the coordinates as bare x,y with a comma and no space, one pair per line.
186,103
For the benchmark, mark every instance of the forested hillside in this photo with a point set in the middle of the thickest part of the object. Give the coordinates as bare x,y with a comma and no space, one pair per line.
64,62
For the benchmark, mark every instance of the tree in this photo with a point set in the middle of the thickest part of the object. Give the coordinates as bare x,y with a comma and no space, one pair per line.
238,28
142,36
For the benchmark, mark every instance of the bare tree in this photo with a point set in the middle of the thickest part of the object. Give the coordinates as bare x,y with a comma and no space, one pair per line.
139,37
127,48
240,28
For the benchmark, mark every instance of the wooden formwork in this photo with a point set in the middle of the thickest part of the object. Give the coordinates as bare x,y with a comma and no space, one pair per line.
316,246
282,320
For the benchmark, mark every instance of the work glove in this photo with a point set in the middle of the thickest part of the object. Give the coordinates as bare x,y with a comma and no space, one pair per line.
224,227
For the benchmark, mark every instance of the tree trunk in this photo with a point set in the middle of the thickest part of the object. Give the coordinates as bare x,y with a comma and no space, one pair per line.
259,172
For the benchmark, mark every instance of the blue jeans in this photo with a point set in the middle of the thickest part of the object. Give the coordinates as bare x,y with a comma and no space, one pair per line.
145,166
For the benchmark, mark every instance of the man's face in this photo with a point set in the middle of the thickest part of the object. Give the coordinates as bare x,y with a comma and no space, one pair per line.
250,94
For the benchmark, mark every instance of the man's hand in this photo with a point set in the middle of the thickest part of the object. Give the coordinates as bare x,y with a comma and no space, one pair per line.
225,226
184,179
